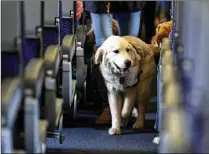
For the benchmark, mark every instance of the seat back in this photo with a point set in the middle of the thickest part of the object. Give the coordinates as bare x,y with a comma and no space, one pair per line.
50,35
32,48
10,47
51,32
32,41
67,25
9,64
66,21
12,53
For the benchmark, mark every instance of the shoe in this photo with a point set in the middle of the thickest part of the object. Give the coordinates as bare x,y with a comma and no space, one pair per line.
156,140
104,118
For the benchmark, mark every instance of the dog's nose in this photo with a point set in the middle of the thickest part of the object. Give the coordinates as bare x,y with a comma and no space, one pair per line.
127,63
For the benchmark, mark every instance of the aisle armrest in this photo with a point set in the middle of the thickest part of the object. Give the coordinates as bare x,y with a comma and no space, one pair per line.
52,59
68,47
33,83
81,32
34,76
12,92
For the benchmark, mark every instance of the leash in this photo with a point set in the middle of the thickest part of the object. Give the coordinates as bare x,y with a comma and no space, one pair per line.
108,8
122,79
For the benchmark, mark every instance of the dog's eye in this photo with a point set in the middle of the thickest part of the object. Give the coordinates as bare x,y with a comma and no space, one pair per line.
116,51
127,50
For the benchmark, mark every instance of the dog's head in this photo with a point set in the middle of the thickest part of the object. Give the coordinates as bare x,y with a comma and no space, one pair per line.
117,55
162,31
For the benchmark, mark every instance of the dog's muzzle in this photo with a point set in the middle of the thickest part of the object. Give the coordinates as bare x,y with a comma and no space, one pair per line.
123,70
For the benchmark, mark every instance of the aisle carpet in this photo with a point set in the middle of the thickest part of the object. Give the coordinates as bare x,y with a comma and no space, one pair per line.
83,136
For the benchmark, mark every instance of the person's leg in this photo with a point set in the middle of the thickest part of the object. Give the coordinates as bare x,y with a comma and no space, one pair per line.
102,25
149,18
129,23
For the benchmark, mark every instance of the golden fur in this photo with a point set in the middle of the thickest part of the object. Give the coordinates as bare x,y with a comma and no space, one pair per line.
148,68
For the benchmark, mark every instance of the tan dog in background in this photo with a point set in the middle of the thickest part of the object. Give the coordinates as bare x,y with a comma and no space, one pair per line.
163,30
121,60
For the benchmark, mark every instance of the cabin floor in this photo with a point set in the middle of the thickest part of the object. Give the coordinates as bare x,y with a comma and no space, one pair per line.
83,136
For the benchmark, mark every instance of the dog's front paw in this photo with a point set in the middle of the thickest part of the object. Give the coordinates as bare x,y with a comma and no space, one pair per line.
138,125
114,131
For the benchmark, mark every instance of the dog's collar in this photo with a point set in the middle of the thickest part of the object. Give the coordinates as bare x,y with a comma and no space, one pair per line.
122,80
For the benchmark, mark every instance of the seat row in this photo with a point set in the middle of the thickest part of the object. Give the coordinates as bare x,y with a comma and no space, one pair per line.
38,83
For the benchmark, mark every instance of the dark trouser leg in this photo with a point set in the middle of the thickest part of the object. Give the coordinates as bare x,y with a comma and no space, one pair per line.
149,16
101,99
99,88
149,22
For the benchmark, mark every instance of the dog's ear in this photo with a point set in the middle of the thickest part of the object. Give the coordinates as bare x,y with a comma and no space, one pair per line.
133,49
98,56
138,58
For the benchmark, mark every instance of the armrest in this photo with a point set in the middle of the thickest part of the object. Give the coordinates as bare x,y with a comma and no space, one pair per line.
69,46
12,90
34,76
52,59
67,17
71,13
50,26
81,34
10,51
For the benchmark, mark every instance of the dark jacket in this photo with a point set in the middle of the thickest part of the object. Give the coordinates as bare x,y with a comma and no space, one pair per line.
115,6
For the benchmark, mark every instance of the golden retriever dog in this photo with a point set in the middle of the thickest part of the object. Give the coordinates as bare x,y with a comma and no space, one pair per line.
128,67
163,30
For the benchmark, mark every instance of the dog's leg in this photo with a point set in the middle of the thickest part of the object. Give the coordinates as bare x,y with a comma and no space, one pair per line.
142,99
129,99
115,103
